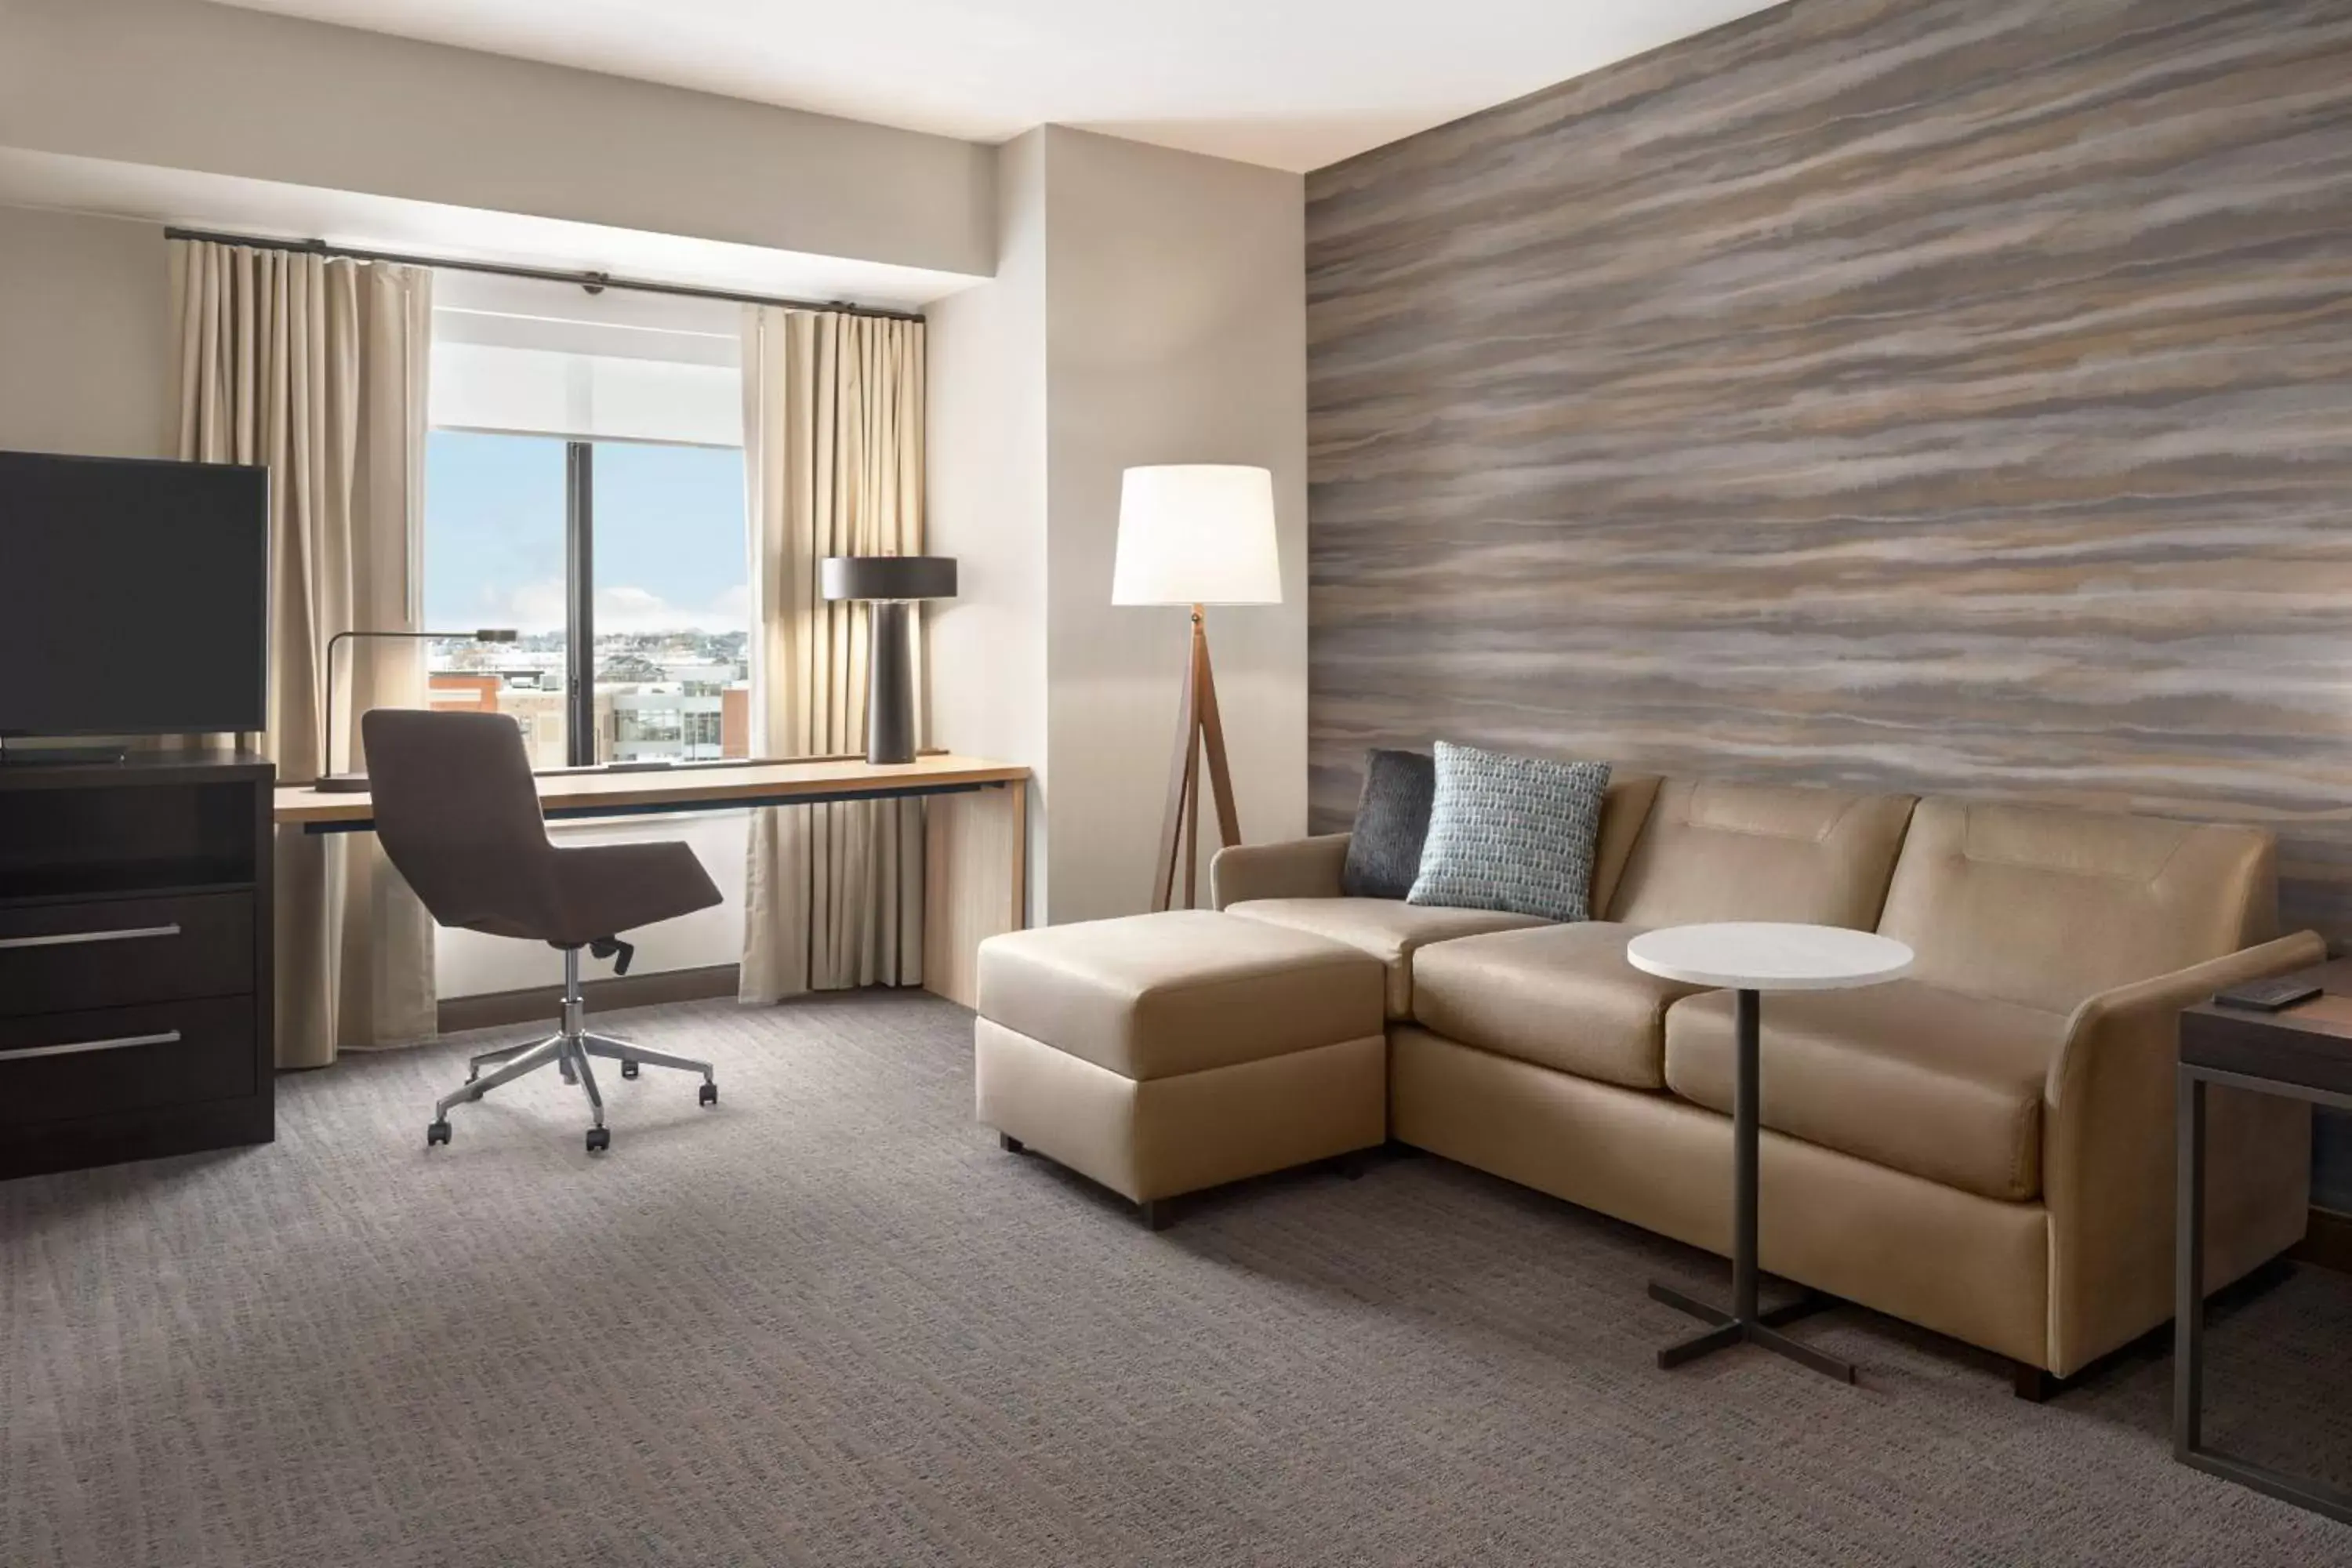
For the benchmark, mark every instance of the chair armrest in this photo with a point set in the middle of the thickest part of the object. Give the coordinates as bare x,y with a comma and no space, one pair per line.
1300,869
2107,1157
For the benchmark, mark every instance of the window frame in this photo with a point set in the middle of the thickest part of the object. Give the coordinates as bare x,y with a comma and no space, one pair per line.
579,738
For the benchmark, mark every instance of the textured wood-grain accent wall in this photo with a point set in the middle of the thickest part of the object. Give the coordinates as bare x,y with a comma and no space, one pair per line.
1937,394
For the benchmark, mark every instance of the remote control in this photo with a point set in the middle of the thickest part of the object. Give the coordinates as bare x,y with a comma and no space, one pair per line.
2267,995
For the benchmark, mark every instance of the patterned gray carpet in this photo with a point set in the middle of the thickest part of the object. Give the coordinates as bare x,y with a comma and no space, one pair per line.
830,1323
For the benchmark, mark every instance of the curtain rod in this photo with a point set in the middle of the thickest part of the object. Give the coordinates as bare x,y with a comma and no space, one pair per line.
593,282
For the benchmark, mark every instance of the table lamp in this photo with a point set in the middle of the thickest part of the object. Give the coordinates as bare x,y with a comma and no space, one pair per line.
354,782
1196,534
889,584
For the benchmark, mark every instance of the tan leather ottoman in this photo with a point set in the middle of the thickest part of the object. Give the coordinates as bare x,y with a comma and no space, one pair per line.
1161,1054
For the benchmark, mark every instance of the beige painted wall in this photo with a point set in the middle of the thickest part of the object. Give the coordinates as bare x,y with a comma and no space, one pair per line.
1147,307
85,335
179,84
986,495
1177,334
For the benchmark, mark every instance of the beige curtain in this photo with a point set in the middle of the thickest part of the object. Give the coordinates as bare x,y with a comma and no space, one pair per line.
833,455
316,368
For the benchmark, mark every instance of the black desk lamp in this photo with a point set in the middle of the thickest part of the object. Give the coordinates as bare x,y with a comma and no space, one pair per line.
888,584
354,782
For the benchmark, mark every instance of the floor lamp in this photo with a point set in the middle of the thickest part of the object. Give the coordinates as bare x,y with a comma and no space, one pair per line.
1196,534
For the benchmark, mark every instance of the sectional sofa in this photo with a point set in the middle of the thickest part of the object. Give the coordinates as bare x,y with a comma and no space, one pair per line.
1984,1147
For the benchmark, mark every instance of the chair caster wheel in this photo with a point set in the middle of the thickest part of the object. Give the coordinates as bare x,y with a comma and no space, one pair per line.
436,1134
710,1094
629,1069
598,1138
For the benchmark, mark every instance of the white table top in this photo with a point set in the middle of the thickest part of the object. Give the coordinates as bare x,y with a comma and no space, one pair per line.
1762,955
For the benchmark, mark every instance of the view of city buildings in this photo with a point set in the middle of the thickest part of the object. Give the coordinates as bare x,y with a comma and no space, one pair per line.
671,590
682,696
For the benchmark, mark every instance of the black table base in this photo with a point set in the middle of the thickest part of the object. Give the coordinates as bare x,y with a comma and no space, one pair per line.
2189,1443
1744,1324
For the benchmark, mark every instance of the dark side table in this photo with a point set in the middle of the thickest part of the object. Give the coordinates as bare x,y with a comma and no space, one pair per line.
2304,1053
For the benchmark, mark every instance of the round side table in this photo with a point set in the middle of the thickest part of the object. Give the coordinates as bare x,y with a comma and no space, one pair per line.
1749,958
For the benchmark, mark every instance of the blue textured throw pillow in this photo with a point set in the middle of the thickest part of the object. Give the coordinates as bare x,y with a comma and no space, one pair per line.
1511,833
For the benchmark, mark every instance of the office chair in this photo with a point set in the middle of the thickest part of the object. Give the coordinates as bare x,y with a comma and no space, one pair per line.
458,817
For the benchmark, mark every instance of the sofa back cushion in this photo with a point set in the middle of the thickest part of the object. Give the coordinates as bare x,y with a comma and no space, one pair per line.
2046,907
1624,811
1760,852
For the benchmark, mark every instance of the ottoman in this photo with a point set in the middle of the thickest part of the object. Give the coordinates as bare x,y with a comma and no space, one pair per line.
1161,1054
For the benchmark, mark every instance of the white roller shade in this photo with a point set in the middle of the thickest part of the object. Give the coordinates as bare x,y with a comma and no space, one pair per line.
584,396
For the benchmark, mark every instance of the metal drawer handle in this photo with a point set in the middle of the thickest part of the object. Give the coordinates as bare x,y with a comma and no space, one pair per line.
75,938
168,1038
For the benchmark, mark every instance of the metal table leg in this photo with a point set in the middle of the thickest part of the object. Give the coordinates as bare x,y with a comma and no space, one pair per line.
2188,1325
1744,1324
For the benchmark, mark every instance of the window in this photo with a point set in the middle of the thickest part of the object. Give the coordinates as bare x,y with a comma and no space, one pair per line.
622,568
494,556
583,485
673,602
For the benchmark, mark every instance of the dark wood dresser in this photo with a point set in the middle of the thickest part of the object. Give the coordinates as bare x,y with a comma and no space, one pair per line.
135,995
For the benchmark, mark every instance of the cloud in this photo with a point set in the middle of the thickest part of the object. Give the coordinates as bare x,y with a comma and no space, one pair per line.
540,607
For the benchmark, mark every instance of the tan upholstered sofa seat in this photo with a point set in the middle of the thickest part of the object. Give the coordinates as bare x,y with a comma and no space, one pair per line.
1154,995
1389,929
1161,1054
1939,1083
1984,1147
1558,997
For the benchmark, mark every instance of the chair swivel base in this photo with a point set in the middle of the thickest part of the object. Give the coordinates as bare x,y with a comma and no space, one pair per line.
570,1048
1761,1329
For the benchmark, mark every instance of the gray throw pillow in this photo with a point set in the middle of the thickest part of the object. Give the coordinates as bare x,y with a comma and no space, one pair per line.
1391,820
1511,833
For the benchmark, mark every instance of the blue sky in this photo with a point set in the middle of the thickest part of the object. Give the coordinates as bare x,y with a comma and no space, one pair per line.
669,534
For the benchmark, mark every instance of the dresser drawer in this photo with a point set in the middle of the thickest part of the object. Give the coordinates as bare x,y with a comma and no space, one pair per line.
113,953
112,1059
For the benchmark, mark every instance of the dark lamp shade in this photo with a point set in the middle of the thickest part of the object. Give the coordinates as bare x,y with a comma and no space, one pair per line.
888,577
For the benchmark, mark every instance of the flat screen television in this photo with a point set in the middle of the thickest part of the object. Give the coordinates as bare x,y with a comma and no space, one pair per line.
134,596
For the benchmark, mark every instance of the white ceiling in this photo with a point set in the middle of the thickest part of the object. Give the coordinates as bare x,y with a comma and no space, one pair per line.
1294,84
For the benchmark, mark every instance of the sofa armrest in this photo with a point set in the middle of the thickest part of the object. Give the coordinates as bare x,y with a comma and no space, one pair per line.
1299,869
2107,1157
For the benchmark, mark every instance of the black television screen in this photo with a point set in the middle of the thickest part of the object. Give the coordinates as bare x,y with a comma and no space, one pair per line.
134,596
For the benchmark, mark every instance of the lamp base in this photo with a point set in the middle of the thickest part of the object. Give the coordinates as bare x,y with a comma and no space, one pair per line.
889,684
343,784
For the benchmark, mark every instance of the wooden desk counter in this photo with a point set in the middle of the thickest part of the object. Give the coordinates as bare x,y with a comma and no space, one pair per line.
976,841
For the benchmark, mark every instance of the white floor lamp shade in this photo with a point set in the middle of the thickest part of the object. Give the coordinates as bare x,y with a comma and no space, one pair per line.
1195,533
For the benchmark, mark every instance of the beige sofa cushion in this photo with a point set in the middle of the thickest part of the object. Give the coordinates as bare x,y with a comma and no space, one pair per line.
1150,997
1558,997
2046,908
1939,1083
1389,929
1624,812
1760,852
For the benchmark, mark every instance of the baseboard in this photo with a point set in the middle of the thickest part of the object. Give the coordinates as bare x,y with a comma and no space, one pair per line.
2328,1242
540,1003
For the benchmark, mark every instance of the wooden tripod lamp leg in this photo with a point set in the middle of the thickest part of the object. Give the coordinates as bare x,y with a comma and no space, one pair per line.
1212,734
1183,782
1199,727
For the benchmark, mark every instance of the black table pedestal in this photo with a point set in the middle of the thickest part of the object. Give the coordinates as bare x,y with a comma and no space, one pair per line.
1744,1324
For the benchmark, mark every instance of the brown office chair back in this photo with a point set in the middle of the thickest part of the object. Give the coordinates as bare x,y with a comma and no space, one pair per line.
458,814
458,817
